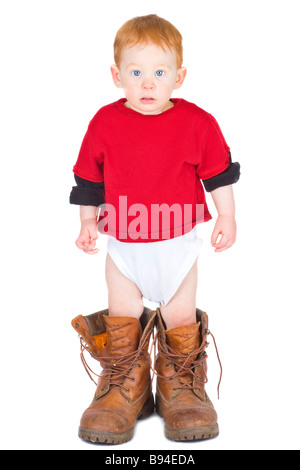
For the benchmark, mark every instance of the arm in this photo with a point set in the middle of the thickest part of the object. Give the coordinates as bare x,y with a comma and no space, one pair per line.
215,154
225,225
89,196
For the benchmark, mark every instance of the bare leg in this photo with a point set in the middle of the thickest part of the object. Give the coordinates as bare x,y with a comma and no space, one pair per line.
181,309
124,297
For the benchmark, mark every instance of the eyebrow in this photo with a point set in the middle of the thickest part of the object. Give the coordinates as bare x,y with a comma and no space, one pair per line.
138,65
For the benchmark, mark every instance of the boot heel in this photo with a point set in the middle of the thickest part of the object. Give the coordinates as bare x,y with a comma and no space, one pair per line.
147,409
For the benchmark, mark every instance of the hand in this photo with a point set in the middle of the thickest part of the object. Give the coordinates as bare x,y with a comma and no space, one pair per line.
225,227
88,236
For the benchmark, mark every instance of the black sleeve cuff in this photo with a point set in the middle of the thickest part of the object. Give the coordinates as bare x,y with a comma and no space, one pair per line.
87,193
230,176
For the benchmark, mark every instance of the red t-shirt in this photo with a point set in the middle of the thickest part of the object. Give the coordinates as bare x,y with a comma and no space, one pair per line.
152,163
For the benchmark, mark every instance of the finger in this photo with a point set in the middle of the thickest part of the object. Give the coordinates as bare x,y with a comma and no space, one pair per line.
216,237
225,246
91,244
223,241
91,252
81,244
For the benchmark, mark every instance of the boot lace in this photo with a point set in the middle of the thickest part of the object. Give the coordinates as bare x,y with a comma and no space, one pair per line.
185,364
116,368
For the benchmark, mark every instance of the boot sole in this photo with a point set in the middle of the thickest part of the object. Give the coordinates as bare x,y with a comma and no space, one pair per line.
105,437
197,433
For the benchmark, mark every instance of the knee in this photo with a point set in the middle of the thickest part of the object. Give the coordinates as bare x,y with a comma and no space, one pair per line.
126,307
178,316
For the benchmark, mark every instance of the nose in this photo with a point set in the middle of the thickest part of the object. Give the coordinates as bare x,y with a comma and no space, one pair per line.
148,84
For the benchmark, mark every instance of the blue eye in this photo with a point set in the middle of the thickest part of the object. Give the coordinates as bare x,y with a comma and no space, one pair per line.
135,72
159,73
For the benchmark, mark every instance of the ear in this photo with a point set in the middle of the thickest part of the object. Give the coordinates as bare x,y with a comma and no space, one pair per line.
116,75
181,74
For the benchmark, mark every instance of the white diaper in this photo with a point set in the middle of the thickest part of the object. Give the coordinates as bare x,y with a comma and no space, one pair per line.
157,268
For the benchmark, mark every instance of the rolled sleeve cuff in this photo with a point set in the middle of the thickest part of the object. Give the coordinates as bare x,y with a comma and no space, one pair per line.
230,176
86,196
87,193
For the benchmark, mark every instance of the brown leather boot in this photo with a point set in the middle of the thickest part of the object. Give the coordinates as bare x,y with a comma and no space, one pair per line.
124,391
181,376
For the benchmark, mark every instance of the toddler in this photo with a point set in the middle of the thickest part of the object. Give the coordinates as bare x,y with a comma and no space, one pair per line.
141,172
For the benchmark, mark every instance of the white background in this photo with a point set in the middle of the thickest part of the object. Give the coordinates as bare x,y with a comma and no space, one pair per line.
243,67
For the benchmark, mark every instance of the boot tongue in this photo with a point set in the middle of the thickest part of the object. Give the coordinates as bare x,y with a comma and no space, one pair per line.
184,339
123,334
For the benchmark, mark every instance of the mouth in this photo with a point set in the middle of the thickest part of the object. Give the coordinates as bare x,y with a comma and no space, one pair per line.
147,99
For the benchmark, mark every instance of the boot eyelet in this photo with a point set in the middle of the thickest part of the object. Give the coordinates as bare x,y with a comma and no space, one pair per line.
132,379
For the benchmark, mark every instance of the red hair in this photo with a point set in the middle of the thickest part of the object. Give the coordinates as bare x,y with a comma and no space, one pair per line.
145,29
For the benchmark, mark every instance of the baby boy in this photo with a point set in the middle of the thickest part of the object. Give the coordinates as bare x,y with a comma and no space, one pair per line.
145,162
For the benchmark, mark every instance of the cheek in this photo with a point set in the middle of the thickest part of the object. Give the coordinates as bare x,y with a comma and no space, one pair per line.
131,84
165,85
